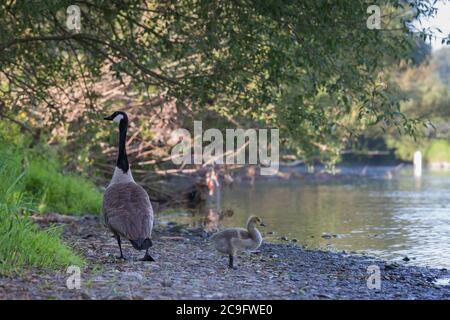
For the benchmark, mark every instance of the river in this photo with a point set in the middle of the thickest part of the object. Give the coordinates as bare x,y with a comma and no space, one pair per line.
385,213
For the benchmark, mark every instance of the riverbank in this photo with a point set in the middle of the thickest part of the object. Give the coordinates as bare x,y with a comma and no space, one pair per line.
186,267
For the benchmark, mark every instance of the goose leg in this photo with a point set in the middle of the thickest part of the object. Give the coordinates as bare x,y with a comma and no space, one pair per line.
147,257
231,262
120,247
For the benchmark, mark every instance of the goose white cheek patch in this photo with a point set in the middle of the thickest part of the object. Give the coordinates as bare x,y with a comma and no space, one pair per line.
118,118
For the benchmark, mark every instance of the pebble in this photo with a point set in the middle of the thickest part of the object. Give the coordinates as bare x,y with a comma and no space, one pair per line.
137,276
390,266
85,296
166,283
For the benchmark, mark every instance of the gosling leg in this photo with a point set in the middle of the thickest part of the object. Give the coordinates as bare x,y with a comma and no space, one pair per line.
120,247
231,262
147,257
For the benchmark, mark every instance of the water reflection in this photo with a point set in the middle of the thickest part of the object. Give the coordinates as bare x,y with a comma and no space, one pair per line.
391,218
210,214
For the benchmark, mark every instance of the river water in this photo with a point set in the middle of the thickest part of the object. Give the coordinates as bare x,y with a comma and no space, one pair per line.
386,213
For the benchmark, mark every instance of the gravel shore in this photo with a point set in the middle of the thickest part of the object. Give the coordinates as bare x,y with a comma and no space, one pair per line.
187,267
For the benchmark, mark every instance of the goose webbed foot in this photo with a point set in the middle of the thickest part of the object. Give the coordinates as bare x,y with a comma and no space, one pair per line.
121,257
147,257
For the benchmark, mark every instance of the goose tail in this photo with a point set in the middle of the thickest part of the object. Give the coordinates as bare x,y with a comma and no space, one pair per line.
141,244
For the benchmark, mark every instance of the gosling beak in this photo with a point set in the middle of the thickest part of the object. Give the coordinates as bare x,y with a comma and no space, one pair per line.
262,224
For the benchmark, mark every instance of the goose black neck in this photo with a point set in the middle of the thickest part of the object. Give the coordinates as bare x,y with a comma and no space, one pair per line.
122,159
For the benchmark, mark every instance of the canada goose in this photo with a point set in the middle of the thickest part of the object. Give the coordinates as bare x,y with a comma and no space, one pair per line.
126,206
233,240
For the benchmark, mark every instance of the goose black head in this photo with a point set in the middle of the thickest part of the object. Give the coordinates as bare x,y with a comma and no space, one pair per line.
117,116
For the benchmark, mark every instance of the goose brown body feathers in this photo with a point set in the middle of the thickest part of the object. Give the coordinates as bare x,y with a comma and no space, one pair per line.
128,212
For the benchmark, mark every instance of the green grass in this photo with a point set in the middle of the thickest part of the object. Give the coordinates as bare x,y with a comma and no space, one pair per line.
44,181
22,243
32,181
438,151
58,192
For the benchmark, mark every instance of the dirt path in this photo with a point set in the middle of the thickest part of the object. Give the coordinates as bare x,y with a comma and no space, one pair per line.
186,267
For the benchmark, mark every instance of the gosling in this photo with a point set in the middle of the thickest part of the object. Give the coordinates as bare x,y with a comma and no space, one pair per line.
231,241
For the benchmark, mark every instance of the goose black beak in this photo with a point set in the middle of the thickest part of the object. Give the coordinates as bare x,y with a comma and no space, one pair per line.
110,118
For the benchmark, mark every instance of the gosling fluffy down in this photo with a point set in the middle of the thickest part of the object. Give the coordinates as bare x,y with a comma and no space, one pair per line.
231,241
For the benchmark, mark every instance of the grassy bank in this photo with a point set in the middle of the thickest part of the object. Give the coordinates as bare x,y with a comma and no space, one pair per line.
438,151
54,191
434,151
33,182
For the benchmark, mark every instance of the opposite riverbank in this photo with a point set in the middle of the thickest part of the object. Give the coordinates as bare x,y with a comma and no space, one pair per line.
186,267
